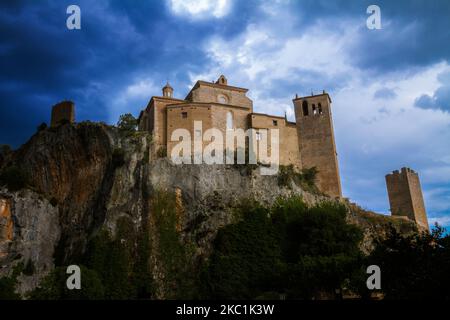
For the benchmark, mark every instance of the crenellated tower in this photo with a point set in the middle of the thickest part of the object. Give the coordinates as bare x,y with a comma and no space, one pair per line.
405,196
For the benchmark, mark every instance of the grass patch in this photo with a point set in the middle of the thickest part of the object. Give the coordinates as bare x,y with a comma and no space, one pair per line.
305,178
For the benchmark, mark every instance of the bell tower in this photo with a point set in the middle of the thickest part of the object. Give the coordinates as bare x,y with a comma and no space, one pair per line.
316,141
167,91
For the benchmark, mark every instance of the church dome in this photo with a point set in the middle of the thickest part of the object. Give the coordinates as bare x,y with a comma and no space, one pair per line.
167,90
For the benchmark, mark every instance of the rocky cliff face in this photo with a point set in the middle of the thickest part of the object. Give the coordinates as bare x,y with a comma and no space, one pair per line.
87,177
29,232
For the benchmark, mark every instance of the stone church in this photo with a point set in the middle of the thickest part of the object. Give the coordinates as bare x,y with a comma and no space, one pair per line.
308,142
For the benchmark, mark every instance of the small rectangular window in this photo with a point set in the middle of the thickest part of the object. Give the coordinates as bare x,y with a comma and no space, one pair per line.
184,115
258,136
275,122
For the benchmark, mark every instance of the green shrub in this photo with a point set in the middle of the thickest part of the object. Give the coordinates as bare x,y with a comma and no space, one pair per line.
5,149
118,158
112,259
42,127
14,178
179,277
309,175
7,289
29,268
8,284
162,152
414,266
54,287
127,123
306,178
122,263
246,258
289,250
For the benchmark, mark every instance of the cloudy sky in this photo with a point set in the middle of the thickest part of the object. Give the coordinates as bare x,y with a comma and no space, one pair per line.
390,87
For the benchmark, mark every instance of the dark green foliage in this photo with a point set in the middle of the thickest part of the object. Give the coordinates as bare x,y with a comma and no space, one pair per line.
7,287
415,266
5,149
162,152
8,284
127,123
141,276
14,178
146,158
118,158
114,268
173,254
42,127
53,287
306,178
29,268
321,249
288,249
247,257
113,259
309,175
122,263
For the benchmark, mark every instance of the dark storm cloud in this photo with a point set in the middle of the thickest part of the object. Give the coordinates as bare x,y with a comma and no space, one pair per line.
40,57
119,41
122,43
414,33
42,62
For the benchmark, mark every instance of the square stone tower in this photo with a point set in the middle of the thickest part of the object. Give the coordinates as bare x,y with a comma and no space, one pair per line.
316,141
405,196
63,112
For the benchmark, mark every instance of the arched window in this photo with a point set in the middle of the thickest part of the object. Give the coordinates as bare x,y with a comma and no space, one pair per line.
314,109
229,120
305,108
320,108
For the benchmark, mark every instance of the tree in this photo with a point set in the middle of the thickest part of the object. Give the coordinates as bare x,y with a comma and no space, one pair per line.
288,249
42,127
321,250
246,257
127,122
414,266
14,178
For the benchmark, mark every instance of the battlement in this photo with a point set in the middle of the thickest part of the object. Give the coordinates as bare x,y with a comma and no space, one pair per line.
403,172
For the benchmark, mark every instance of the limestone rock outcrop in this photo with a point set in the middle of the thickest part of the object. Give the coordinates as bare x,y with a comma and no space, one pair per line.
88,176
